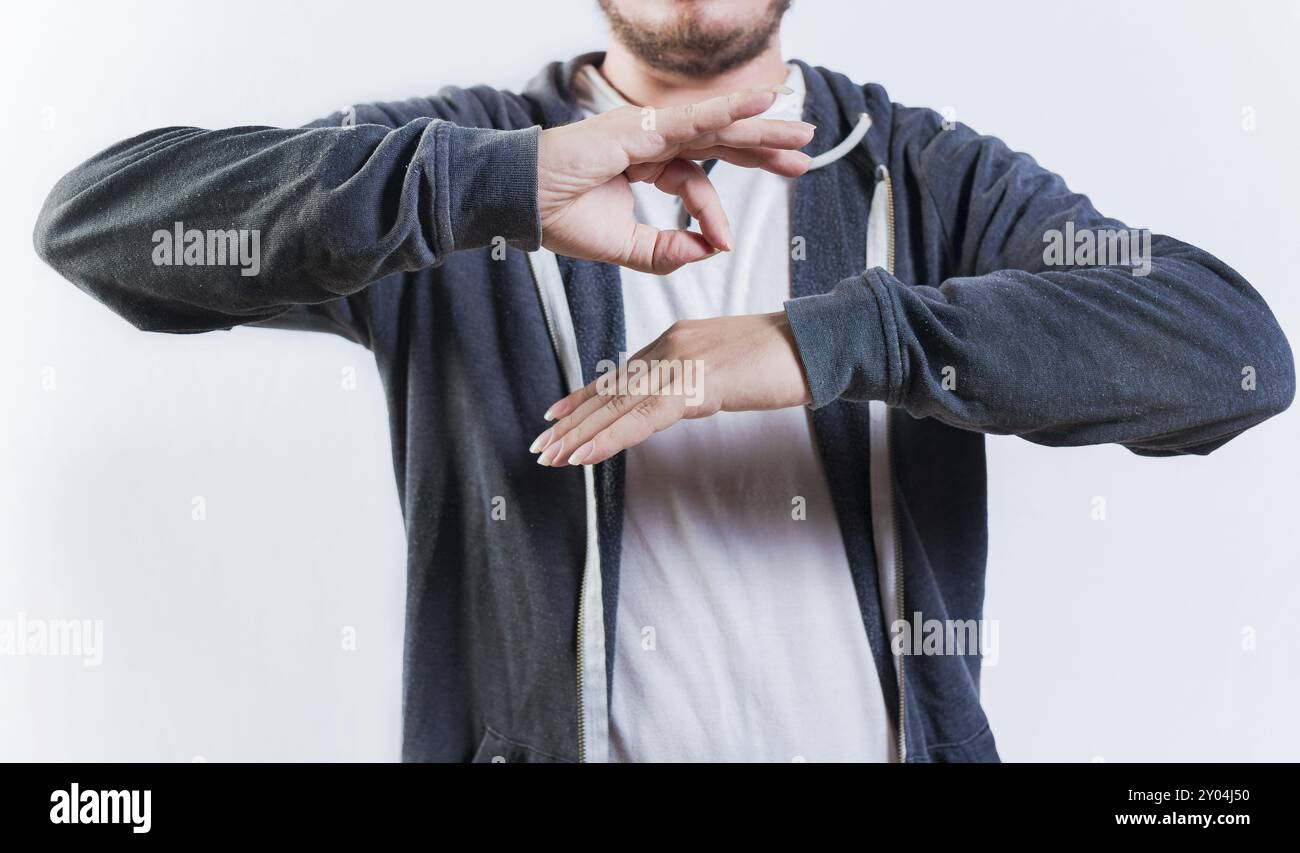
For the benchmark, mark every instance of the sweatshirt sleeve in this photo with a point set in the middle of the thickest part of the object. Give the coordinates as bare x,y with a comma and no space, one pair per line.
1176,358
186,230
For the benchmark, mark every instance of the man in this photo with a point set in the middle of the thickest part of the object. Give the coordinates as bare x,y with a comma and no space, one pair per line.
726,523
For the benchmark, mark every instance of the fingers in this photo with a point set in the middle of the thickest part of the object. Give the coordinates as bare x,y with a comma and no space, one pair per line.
572,410
651,135
598,425
688,181
648,249
760,133
680,124
661,252
649,416
569,403
571,433
757,133
562,408
787,164
658,252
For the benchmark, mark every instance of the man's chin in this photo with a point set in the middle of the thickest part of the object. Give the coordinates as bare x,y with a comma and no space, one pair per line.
697,44
694,64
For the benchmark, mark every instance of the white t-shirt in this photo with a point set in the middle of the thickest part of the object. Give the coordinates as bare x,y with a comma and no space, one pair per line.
739,636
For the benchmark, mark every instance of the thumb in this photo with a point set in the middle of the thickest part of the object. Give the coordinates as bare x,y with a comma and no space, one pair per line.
661,252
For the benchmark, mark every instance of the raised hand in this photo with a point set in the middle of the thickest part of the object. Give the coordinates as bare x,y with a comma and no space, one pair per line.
585,169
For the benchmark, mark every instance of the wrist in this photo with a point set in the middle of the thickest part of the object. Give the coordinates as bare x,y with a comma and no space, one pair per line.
779,323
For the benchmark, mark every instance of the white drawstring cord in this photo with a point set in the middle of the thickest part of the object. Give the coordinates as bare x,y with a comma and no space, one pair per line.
854,137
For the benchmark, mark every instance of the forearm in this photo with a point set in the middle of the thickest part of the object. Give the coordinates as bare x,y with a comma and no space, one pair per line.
318,213
1085,356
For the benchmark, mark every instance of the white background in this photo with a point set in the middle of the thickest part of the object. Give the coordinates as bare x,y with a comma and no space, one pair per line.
1120,639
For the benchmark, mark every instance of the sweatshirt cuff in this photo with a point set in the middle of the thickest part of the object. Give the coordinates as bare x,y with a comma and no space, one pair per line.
491,176
843,338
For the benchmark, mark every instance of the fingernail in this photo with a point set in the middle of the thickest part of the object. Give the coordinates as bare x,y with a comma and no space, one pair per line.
550,413
783,90
551,453
580,455
540,442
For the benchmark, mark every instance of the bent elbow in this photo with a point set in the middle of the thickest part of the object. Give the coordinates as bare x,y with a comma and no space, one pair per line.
49,234
1273,382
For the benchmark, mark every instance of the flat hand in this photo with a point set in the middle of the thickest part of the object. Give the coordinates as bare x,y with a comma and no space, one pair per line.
695,369
585,169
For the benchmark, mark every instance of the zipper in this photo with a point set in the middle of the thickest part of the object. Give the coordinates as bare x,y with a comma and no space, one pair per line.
889,209
569,369
582,708
893,520
582,584
881,253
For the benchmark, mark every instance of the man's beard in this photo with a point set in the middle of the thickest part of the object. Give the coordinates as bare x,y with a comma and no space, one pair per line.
686,47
